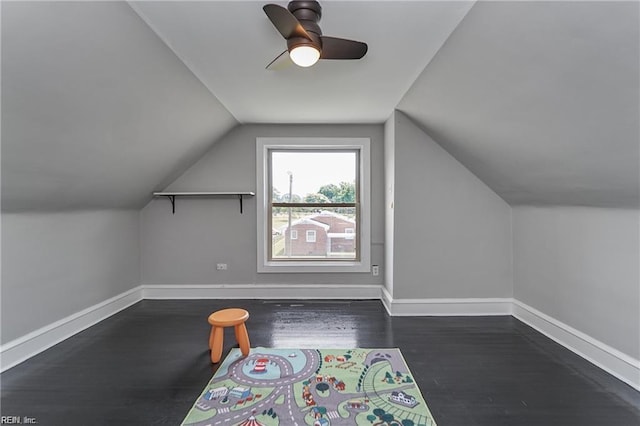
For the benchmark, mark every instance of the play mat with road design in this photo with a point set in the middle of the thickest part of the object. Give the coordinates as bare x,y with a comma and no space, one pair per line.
314,387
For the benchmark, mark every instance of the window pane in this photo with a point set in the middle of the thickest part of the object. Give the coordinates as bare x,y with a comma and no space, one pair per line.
313,176
329,233
311,235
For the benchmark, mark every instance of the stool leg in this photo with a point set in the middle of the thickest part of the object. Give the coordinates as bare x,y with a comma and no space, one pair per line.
211,337
242,336
218,340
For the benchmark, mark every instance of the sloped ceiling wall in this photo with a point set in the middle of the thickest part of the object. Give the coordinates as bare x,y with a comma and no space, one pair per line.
540,100
96,111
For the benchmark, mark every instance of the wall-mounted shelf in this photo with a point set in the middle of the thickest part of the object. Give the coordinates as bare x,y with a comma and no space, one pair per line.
172,196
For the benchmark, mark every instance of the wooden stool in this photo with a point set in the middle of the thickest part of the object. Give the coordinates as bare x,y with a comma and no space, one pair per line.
227,318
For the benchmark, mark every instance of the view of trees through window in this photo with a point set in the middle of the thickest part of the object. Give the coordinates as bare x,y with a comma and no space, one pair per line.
314,194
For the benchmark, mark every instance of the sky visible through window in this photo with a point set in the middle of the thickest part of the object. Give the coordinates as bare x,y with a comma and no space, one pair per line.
311,170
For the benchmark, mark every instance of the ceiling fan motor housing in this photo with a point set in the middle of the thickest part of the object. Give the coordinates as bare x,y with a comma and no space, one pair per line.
309,14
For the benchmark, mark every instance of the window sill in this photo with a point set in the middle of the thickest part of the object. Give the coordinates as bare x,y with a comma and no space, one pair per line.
313,267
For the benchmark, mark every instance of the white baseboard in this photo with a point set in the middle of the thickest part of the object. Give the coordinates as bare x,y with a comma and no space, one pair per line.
600,354
261,291
609,359
446,307
23,348
386,299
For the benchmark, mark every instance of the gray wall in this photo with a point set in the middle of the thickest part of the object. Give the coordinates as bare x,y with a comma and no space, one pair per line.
579,265
452,234
184,248
57,264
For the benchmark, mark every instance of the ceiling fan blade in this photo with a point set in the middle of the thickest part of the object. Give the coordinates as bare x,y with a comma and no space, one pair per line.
284,21
340,48
281,61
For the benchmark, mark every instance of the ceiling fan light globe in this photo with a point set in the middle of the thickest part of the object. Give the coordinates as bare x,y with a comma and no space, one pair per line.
304,55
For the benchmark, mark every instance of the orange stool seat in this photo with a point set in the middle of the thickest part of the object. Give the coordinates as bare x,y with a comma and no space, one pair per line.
235,317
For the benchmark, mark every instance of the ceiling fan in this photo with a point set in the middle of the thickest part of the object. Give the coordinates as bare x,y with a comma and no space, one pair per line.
298,24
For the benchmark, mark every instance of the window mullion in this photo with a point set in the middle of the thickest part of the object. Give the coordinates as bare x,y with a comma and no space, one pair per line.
316,205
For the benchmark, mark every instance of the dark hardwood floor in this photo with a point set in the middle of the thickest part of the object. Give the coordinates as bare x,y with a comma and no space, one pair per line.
148,364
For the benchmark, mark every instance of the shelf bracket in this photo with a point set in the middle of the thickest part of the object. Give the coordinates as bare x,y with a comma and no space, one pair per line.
172,198
240,197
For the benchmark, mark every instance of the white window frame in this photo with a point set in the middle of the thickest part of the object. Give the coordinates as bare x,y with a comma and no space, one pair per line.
294,234
263,145
309,233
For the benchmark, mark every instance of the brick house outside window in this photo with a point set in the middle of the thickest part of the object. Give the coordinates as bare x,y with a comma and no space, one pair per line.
327,234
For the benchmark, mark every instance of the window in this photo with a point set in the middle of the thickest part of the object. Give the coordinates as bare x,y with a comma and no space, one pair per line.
311,236
349,233
320,187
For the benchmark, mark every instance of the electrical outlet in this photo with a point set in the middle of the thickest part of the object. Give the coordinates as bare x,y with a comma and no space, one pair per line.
221,266
375,270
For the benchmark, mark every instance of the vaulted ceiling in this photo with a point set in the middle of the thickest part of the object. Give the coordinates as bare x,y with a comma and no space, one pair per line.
540,100
228,45
104,102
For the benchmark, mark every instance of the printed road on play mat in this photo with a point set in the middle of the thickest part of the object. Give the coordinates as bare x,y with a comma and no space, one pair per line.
315,387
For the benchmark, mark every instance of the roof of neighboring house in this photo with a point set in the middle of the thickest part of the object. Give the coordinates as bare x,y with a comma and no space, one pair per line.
306,221
325,213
